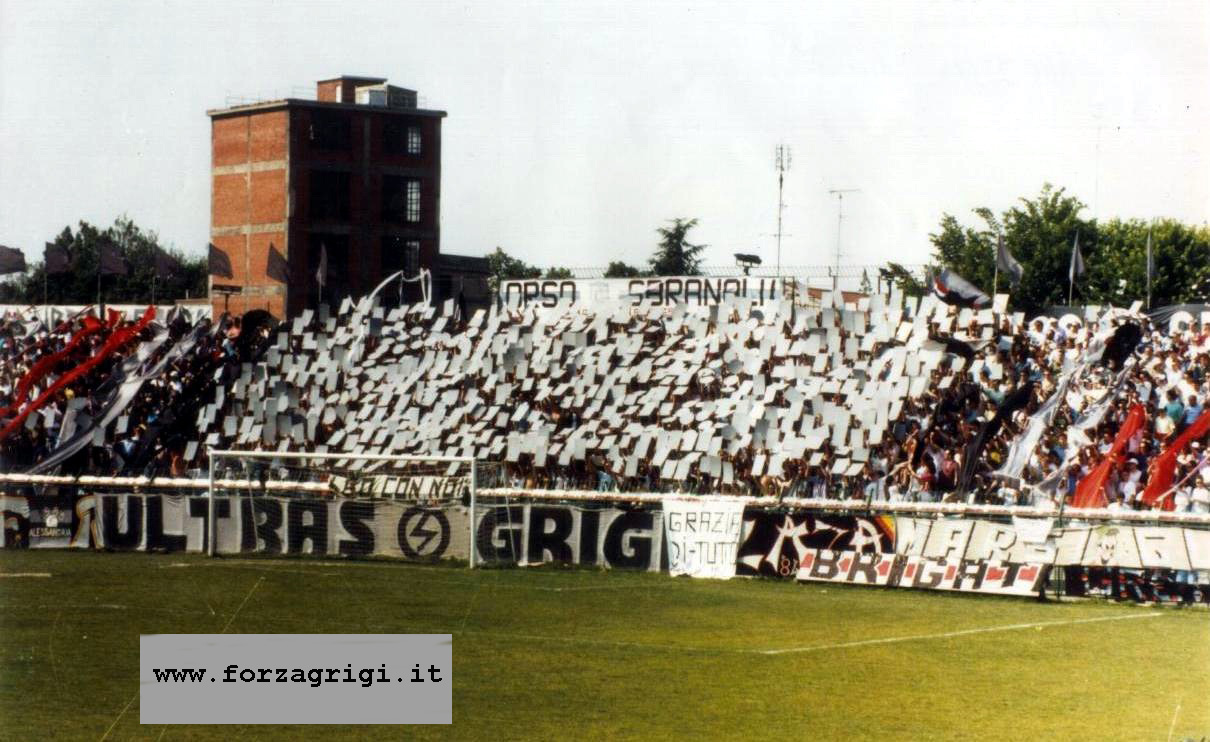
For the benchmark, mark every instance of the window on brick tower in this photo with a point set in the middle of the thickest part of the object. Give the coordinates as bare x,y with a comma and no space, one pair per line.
401,138
411,258
400,200
412,208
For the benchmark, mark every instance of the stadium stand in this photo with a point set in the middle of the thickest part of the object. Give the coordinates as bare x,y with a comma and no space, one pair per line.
870,398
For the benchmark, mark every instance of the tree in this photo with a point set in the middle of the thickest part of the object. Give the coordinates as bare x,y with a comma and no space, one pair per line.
558,273
896,275
505,267
619,269
1039,232
79,285
676,255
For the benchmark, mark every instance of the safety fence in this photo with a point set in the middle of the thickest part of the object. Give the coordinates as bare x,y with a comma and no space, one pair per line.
940,546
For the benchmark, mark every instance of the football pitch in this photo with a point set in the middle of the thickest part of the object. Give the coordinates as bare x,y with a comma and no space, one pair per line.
578,654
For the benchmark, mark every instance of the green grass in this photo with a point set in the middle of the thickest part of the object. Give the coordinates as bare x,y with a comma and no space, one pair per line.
575,654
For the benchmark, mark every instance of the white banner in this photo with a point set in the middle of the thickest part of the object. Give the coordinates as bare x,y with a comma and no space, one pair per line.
655,292
702,535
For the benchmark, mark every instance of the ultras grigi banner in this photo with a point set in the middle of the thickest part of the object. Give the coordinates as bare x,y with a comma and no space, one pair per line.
536,534
260,525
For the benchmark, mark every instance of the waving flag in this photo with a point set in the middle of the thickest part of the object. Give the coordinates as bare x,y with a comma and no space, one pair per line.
1090,492
1076,269
57,259
278,268
12,260
1006,263
952,288
220,263
1163,467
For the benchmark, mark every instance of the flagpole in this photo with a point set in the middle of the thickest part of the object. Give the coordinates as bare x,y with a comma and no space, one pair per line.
1149,267
100,307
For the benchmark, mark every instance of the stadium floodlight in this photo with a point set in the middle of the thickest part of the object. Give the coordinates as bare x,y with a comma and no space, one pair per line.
747,261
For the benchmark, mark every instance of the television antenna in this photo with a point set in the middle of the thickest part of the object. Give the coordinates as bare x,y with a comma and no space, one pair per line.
782,159
839,193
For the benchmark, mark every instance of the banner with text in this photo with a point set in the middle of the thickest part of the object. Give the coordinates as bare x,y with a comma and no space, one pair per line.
702,535
537,534
898,570
654,292
774,542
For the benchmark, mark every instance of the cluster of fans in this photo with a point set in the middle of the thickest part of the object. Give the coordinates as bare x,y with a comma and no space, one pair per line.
883,399
105,397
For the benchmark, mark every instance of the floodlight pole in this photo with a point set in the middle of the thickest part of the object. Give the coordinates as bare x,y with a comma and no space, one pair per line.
839,193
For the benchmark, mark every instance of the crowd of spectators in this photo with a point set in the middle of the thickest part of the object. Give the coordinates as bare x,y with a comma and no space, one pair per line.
898,399
166,366
888,398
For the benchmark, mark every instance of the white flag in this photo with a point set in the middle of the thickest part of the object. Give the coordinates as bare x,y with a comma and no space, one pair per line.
321,275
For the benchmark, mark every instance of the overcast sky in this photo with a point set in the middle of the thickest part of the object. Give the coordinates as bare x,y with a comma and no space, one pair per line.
576,129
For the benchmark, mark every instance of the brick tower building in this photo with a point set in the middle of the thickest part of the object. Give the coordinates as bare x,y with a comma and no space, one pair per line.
354,174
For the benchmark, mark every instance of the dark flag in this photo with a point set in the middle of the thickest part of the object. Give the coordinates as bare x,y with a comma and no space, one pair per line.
1076,268
1006,263
57,259
952,288
955,346
1123,342
12,260
278,268
113,263
1016,400
165,265
220,264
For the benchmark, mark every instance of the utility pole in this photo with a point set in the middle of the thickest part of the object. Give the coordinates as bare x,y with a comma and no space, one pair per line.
782,163
839,193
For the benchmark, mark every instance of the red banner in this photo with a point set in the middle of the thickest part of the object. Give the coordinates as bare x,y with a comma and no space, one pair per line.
116,340
1090,492
1163,467
44,365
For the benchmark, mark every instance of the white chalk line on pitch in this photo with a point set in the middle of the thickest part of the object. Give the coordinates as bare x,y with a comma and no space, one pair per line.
269,566
812,648
259,580
951,634
25,574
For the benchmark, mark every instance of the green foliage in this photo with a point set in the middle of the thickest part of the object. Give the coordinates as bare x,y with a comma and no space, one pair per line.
895,274
505,267
619,269
676,255
1039,233
79,285
558,273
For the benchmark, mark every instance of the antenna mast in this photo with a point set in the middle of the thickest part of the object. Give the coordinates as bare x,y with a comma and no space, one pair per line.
839,193
782,163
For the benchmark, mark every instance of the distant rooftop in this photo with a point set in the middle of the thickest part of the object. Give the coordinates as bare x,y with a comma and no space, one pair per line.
350,90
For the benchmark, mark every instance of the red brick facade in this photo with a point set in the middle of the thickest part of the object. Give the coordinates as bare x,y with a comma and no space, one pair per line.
300,176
